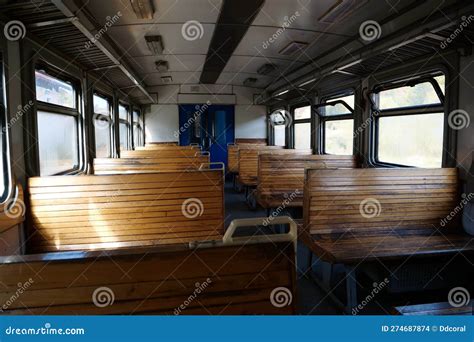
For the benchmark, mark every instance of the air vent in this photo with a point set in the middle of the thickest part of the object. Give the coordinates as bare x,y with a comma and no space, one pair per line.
266,69
161,66
341,10
167,79
250,82
292,48
155,44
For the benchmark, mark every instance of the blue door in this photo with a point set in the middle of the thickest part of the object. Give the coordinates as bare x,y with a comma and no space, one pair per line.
211,126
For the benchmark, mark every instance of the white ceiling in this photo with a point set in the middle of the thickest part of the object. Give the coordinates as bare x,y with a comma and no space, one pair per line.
186,58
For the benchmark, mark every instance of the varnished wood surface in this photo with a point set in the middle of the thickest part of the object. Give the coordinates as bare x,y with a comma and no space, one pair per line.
248,161
103,166
281,177
238,280
402,216
113,211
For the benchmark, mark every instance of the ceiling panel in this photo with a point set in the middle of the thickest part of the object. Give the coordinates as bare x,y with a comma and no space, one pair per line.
145,65
239,78
178,78
166,11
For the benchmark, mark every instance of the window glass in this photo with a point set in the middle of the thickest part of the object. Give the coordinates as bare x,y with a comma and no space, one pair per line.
102,139
137,136
421,94
123,136
413,140
302,135
101,105
54,91
123,112
136,116
338,109
57,139
279,135
338,137
303,113
441,82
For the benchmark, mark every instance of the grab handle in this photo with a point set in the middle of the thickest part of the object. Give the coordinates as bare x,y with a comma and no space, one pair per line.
292,234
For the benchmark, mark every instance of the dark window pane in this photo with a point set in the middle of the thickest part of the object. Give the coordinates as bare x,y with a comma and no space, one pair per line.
338,137
58,149
52,90
413,140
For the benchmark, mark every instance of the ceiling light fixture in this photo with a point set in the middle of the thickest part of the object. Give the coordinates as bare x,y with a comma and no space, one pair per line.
162,66
155,44
143,8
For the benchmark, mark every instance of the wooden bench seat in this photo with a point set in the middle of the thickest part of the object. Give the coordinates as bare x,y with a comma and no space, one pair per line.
248,161
233,152
281,177
226,277
104,166
162,153
435,309
353,216
89,212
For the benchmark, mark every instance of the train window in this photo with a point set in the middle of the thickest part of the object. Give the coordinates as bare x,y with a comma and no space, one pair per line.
278,123
337,125
302,127
137,129
103,124
124,127
410,125
58,119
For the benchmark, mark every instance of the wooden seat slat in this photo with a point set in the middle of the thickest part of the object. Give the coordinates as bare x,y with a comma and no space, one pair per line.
282,176
76,217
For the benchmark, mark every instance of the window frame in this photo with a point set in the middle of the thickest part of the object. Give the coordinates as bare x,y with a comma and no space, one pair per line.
139,125
272,126
127,122
323,119
100,116
309,120
8,181
376,114
62,110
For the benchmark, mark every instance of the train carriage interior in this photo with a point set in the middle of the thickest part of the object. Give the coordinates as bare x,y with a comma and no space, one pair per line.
237,157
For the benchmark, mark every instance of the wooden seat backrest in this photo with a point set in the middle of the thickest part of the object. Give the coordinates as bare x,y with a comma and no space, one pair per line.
105,166
281,176
248,161
338,201
88,212
252,141
225,279
172,143
160,153
233,151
